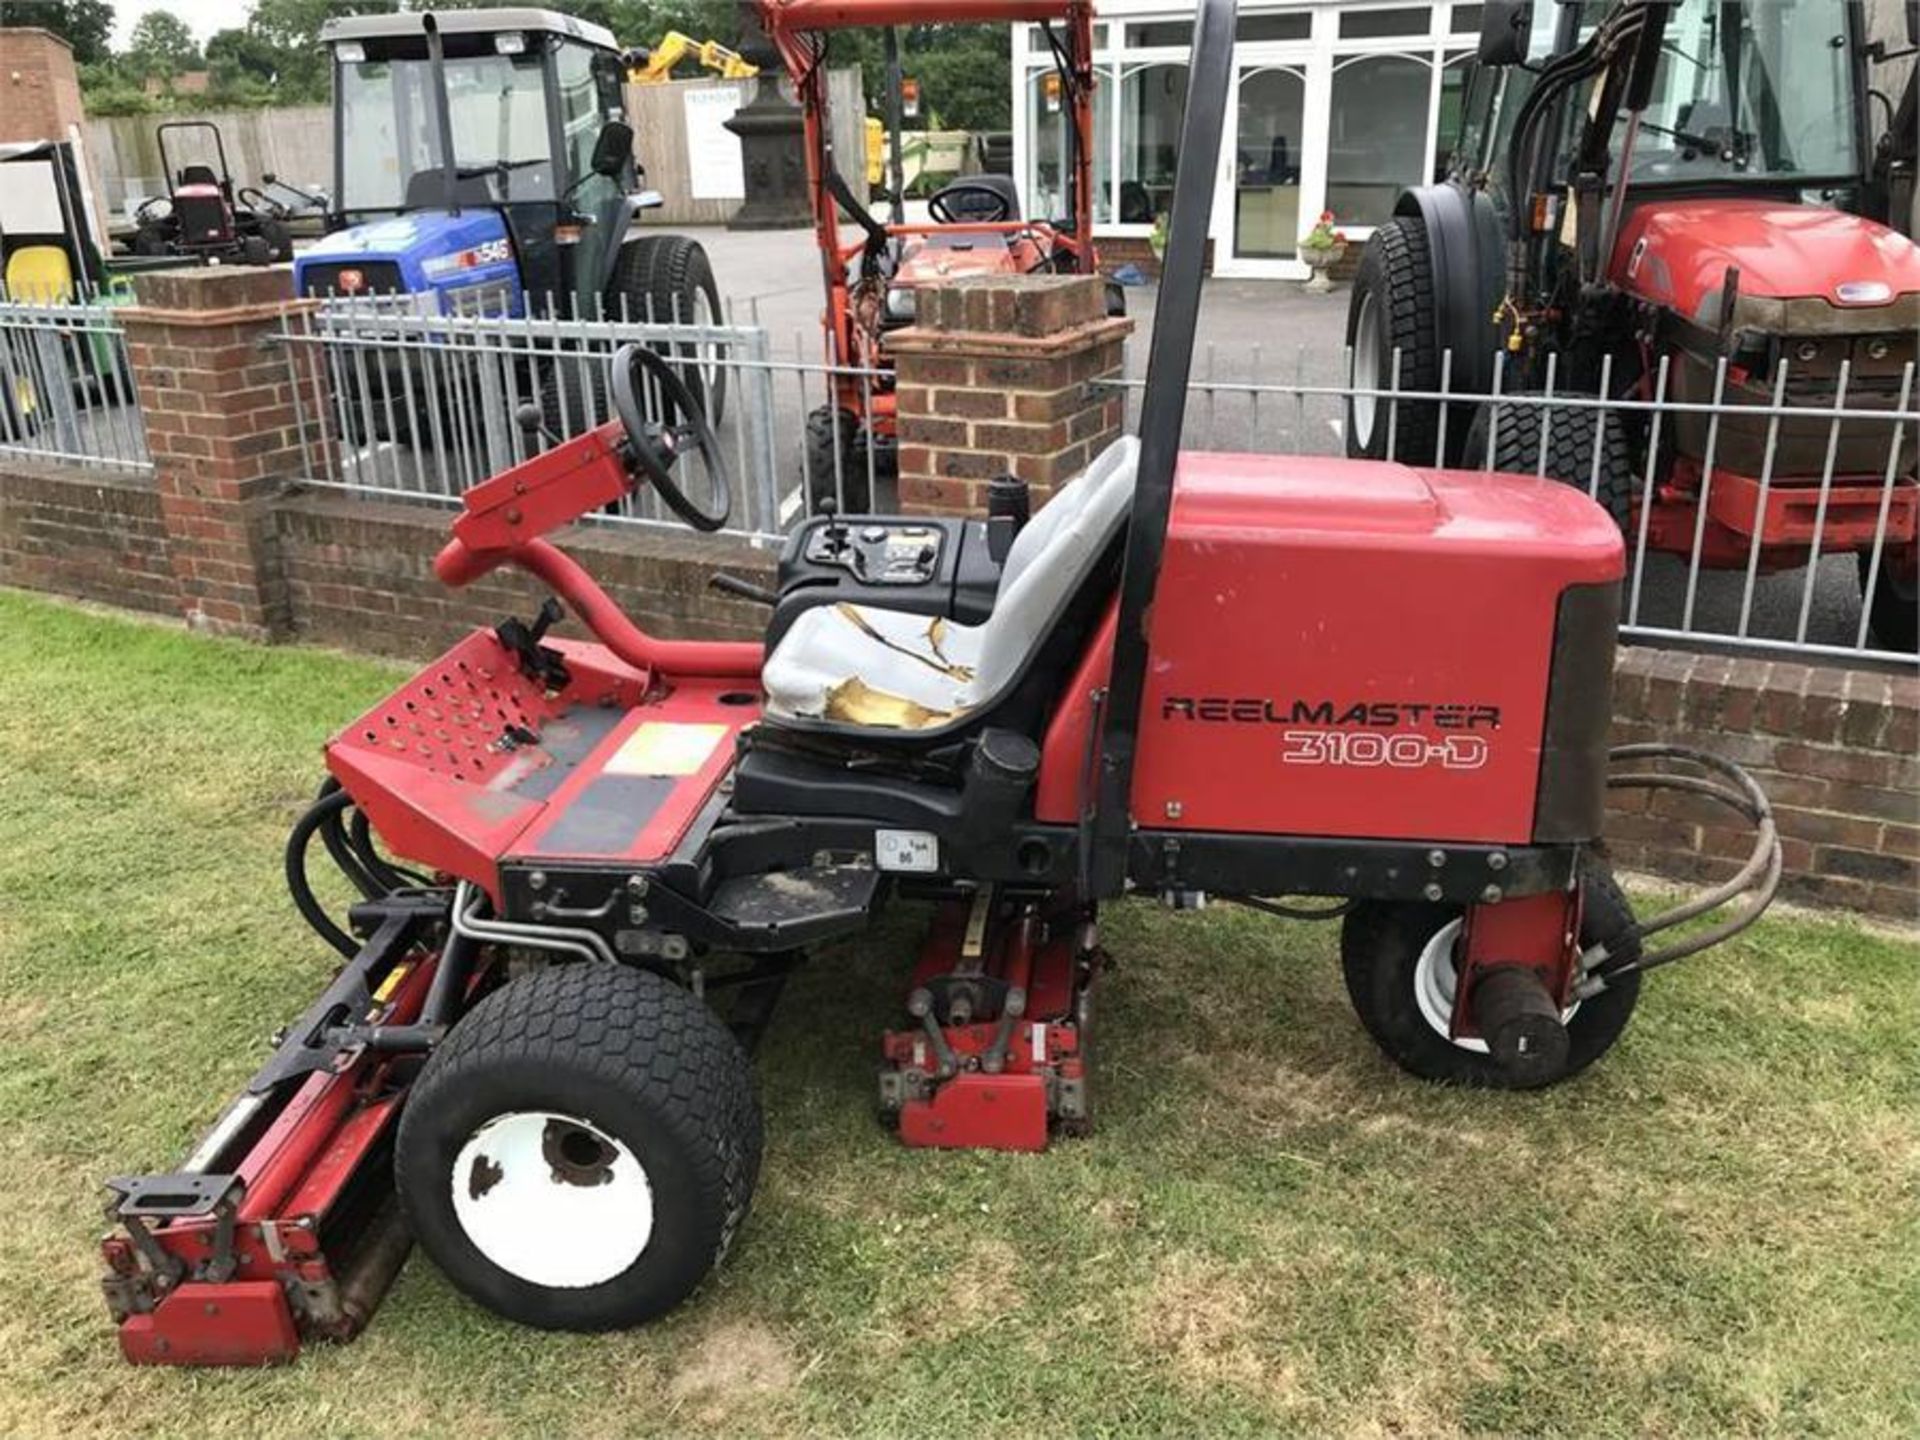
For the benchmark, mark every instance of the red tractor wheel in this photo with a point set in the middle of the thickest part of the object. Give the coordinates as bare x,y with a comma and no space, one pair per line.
1399,964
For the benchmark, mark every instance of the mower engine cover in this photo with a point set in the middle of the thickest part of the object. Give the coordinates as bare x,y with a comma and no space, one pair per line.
1373,651
464,264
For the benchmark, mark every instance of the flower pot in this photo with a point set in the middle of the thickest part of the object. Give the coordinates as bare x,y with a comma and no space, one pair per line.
1320,259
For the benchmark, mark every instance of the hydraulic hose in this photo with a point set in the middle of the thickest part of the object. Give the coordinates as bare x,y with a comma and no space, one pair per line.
326,808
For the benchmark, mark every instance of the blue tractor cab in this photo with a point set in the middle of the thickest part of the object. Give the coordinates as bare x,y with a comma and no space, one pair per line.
484,166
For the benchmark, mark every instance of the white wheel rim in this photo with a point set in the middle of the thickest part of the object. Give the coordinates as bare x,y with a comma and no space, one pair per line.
552,1200
709,353
1366,370
1434,982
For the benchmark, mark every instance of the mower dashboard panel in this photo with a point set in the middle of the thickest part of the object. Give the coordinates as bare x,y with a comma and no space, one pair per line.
924,565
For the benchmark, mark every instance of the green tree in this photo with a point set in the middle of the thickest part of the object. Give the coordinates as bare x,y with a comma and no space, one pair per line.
87,25
161,44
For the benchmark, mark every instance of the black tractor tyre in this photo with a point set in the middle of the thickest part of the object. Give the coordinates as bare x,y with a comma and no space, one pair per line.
624,1055
668,280
1381,945
573,398
151,240
255,250
1893,609
1569,444
837,467
1393,308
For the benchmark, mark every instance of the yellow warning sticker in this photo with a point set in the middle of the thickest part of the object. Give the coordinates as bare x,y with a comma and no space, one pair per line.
661,748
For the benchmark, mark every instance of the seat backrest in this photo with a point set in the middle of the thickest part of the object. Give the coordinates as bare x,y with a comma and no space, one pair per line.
198,175
39,275
978,207
1048,563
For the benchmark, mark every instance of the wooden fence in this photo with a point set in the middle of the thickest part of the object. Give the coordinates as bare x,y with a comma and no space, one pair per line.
296,143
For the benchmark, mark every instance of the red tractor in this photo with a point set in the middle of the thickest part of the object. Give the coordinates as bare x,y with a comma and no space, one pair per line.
978,225
1666,202
587,867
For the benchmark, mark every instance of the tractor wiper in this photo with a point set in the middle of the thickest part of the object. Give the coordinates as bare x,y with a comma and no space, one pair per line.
1736,147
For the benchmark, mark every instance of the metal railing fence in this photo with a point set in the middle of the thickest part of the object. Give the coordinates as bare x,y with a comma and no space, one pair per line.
66,390
1771,513
408,406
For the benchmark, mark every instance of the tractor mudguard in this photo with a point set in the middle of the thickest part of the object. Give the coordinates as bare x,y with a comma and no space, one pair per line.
600,243
1463,235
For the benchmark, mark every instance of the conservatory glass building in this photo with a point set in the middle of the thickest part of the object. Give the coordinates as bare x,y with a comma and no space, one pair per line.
1336,106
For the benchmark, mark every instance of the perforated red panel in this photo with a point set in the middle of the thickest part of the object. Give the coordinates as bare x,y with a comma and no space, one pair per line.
449,719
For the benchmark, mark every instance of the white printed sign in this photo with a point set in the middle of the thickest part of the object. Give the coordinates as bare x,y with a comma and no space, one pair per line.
713,151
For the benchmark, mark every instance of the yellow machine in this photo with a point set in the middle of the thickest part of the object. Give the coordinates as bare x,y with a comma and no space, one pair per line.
675,47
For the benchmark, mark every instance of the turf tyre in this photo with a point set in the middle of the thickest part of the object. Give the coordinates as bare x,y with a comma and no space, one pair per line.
638,1058
668,279
1381,944
1569,445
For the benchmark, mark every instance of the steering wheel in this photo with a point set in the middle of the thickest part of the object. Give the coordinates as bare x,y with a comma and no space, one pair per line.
998,211
639,375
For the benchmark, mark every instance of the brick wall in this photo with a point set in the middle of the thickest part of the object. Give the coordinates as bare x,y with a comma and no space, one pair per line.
92,535
1837,751
996,378
359,574
39,87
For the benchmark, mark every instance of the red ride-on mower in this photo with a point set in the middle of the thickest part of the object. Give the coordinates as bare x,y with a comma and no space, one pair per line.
200,215
978,225
588,867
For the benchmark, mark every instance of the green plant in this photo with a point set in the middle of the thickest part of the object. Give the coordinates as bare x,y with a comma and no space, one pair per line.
1324,235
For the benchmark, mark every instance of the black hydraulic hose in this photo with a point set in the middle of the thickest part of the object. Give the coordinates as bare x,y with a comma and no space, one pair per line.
390,876
333,834
326,808
1293,912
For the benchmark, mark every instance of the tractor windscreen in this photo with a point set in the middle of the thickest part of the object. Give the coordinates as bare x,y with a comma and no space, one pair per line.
1762,89
390,142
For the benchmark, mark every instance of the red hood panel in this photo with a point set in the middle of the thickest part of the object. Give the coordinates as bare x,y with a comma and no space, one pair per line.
1676,255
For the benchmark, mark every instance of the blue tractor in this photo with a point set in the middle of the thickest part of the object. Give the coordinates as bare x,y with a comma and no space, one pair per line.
484,166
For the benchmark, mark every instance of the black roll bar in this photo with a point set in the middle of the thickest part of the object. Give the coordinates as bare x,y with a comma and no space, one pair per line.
1162,416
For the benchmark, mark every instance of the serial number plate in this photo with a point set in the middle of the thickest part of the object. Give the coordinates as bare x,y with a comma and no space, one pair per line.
913,852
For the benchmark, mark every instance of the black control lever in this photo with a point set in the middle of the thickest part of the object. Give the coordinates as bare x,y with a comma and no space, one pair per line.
742,589
533,424
835,531
539,663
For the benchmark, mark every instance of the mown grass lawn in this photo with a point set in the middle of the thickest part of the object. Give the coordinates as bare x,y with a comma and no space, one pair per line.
1271,1230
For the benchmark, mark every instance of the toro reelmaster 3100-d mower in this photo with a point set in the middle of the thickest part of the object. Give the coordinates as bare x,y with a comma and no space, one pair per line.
977,223
534,1059
1673,202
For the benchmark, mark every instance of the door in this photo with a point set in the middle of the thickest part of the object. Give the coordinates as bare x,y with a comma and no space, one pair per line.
1273,170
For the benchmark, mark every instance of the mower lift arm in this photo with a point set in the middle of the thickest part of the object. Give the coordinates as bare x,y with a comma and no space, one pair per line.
504,520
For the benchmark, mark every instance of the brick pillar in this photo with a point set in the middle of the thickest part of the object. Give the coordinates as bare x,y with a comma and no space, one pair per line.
39,87
221,425
995,378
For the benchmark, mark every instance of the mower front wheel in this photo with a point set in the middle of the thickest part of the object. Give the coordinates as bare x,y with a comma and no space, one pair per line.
837,462
581,1150
1399,961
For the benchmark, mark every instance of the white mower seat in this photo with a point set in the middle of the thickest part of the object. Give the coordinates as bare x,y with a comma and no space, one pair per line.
888,669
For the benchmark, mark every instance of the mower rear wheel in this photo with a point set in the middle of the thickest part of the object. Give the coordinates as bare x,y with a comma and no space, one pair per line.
1893,609
1399,964
1392,310
581,1150
1569,444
